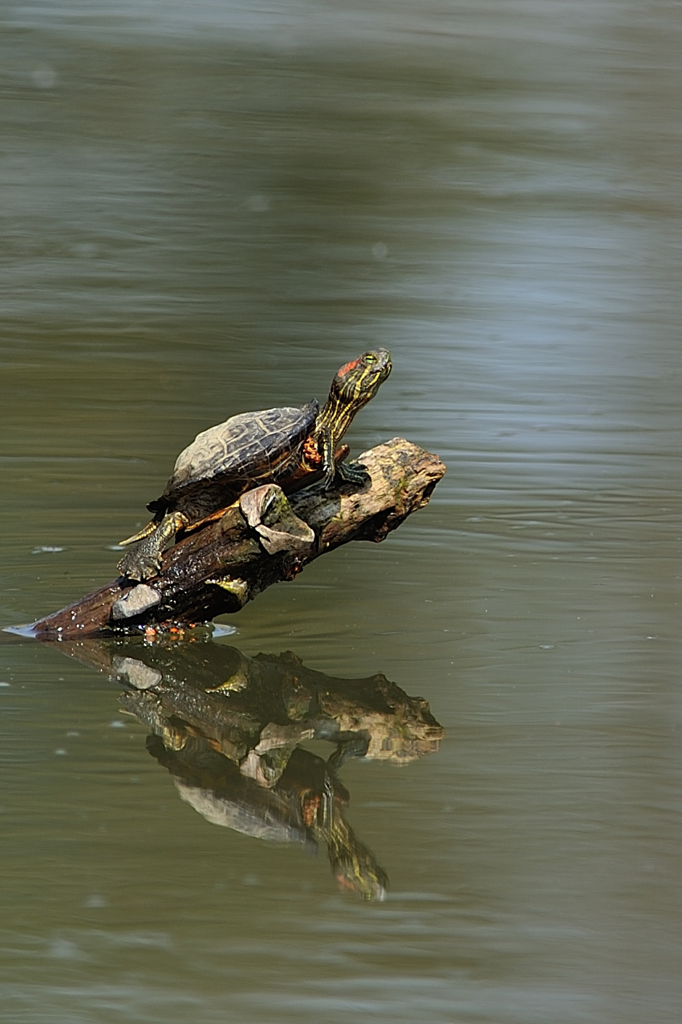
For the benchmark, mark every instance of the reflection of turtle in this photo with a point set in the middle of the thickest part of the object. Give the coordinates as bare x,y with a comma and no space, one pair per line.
305,806
353,864
282,446
229,728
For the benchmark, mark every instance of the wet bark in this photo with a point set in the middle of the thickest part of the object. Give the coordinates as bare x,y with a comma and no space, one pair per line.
217,569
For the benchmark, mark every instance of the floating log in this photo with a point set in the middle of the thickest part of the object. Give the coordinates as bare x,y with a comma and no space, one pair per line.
263,538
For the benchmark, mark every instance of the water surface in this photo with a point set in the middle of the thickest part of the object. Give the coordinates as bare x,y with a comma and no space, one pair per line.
208,209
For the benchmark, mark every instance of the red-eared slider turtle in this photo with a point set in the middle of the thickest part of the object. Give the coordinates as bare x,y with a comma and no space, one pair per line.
283,446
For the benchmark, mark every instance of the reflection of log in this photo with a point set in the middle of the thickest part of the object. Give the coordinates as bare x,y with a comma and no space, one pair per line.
240,703
219,568
229,727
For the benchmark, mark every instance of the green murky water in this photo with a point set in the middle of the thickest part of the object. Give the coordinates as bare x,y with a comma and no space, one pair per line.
207,209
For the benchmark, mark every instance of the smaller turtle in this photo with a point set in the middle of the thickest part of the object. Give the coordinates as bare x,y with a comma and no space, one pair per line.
286,446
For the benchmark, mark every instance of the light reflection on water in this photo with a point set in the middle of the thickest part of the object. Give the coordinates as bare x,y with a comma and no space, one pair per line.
206,209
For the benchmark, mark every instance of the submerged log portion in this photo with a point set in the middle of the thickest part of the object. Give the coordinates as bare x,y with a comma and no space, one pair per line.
263,538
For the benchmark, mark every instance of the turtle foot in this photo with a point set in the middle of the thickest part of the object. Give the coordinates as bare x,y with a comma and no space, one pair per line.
353,473
139,565
144,561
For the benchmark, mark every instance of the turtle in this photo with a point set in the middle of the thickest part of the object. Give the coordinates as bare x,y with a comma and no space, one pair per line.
289,446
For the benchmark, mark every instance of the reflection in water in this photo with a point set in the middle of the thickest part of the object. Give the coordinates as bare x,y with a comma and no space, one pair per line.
229,728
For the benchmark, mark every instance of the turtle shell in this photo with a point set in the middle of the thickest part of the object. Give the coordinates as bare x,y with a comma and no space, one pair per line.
253,446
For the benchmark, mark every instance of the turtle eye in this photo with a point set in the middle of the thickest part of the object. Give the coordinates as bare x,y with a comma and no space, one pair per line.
369,358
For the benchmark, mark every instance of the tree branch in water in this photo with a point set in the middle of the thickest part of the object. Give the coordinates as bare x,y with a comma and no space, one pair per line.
263,538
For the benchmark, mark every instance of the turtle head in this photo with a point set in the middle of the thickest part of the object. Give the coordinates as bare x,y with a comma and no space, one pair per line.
354,385
357,382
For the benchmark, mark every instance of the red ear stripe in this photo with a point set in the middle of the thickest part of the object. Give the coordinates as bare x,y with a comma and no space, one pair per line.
347,368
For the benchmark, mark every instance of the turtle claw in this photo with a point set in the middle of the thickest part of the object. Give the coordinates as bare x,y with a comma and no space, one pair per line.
144,561
136,565
353,473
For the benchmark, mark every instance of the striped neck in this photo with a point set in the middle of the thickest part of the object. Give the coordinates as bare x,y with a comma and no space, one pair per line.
337,415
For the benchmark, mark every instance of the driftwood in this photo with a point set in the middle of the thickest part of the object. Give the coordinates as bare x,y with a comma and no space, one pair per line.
260,540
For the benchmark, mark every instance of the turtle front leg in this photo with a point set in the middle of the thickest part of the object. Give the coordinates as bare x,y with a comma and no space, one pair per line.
334,466
144,560
325,447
